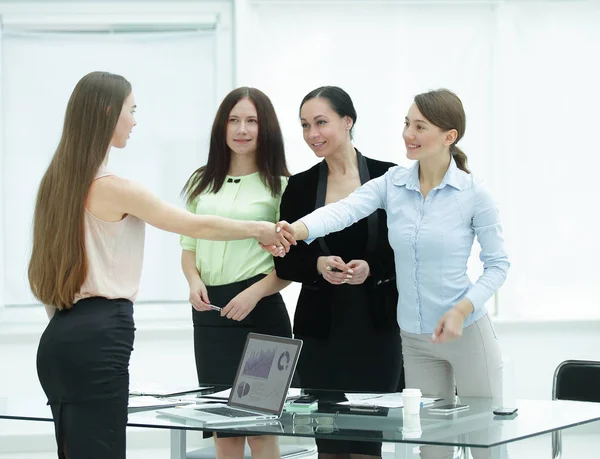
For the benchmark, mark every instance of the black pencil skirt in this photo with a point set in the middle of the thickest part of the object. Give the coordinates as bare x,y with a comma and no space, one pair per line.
219,341
83,367
355,357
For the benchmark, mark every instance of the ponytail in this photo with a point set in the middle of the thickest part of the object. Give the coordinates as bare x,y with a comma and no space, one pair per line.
444,109
460,157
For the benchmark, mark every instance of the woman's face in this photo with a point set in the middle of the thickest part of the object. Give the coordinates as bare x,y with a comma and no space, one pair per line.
125,123
324,130
423,140
242,128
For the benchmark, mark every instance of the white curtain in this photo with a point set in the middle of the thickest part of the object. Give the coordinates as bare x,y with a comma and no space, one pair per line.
173,83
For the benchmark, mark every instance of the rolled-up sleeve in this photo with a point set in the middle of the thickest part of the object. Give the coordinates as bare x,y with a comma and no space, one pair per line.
341,214
186,242
488,229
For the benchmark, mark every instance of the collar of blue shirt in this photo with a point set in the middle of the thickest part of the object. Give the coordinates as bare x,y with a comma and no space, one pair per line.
410,177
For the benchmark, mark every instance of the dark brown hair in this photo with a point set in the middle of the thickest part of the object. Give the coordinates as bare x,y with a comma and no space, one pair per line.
339,100
444,109
58,264
270,153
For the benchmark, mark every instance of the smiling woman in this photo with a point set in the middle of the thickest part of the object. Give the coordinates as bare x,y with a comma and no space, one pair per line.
244,177
346,312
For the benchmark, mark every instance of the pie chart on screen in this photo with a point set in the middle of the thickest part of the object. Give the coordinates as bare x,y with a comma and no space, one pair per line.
284,361
243,389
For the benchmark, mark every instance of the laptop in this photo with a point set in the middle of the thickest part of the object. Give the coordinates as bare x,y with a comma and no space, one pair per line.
259,389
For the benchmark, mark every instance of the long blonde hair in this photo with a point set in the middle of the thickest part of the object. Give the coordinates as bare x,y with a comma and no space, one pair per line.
58,264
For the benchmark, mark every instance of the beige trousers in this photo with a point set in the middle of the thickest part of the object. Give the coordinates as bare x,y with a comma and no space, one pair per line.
471,364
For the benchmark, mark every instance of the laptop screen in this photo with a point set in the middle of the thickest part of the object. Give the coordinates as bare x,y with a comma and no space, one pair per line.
265,373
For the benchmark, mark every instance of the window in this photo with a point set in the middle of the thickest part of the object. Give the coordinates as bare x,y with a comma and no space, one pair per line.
176,67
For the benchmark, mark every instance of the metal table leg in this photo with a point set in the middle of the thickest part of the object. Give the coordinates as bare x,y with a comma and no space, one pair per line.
178,437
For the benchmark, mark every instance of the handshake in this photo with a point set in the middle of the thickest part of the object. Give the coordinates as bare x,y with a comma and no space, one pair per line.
279,237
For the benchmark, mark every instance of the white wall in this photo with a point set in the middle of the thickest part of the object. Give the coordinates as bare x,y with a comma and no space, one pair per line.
529,114
527,78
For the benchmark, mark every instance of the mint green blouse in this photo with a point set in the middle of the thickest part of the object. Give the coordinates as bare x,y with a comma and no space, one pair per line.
242,198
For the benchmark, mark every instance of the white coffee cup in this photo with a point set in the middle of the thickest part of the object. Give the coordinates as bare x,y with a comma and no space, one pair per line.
411,399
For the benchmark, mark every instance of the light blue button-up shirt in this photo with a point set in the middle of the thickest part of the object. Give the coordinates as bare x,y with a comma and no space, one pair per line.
432,239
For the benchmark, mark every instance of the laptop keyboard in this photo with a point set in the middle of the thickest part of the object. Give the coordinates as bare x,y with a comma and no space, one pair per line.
229,412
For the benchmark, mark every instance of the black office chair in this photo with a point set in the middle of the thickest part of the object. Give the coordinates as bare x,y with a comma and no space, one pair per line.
577,380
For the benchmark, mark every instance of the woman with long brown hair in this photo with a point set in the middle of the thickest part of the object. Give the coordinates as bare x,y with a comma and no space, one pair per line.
85,267
244,178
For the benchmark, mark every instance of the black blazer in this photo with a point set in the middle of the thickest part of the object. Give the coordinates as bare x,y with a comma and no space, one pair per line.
314,311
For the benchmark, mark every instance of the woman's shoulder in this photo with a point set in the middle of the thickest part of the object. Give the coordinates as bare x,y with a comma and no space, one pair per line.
111,182
474,193
309,175
470,183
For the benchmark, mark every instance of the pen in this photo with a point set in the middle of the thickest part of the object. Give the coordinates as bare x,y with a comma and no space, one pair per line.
365,408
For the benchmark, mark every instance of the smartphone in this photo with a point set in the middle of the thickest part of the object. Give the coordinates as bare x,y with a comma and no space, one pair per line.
505,411
304,404
305,400
447,409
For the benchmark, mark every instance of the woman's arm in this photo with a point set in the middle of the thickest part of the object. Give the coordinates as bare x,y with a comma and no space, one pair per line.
198,293
268,285
128,197
488,229
245,302
341,214
188,266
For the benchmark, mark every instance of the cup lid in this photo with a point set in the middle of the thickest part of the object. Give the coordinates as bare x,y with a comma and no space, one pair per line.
409,391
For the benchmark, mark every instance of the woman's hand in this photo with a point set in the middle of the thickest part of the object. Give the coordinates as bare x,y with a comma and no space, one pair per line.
450,326
360,271
199,296
275,238
334,270
240,306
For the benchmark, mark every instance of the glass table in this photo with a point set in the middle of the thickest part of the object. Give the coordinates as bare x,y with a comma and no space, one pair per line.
476,427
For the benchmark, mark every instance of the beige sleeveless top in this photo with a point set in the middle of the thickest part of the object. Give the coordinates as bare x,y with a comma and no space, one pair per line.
115,253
